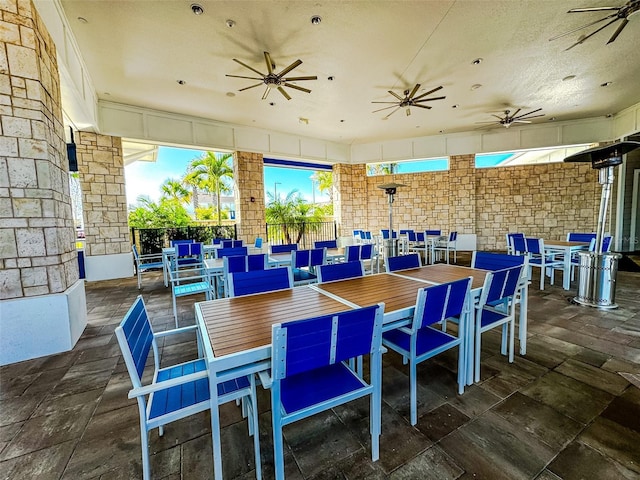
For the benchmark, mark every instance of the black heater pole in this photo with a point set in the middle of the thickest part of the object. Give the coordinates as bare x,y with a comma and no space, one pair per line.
391,245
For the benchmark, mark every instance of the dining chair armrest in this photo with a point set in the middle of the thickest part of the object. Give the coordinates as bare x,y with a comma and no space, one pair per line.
154,387
150,256
174,331
265,379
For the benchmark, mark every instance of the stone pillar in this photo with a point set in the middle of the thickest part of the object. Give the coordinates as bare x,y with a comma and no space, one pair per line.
248,173
42,300
104,205
350,198
462,201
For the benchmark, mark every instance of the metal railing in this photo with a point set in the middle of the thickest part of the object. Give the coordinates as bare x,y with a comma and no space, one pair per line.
304,234
153,240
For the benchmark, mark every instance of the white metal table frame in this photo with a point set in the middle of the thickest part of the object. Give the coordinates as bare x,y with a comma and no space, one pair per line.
566,249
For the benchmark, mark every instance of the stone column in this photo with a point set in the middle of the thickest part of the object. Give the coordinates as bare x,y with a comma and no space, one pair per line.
104,205
248,173
350,198
42,300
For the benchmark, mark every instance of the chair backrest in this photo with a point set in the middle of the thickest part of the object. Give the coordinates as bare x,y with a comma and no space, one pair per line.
366,251
453,236
232,243
385,234
519,245
495,261
499,285
367,235
284,248
433,232
440,302
307,258
358,233
411,236
217,241
403,262
326,244
420,237
606,244
173,243
406,231
258,281
340,271
136,255
304,345
257,261
535,245
258,243
189,252
135,338
580,237
231,252
234,263
353,253
509,239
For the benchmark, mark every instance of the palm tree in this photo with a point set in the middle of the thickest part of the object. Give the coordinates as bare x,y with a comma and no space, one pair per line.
293,215
382,168
325,182
209,173
175,190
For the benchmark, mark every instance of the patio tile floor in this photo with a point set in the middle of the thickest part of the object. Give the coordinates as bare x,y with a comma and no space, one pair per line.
561,412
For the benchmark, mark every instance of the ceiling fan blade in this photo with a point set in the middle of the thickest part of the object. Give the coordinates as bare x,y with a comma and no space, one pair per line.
528,113
297,79
285,94
422,106
396,95
592,33
617,32
499,118
429,99
413,92
592,9
527,118
394,111
247,66
386,108
266,93
290,67
583,26
395,103
491,122
515,114
269,62
240,76
252,86
520,121
291,85
427,93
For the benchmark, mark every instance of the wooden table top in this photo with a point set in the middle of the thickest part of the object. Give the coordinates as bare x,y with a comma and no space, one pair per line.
443,273
242,323
396,292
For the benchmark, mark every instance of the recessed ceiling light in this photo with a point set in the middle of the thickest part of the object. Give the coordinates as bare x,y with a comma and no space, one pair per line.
316,20
552,119
609,115
477,61
272,103
230,23
83,20
417,126
231,94
181,82
441,131
605,84
455,106
568,77
476,86
197,9
341,121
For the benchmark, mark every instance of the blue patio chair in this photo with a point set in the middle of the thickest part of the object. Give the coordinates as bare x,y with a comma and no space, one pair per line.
304,263
232,243
352,253
538,258
385,234
217,241
176,391
311,372
421,341
447,245
433,232
258,243
326,244
173,243
403,262
284,248
575,258
519,245
146,263
189,281
340,271
510,247
188,255
231,252
580,237
497,308
259,281
257,261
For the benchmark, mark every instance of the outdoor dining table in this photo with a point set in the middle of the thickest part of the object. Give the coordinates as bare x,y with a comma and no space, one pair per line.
566,249
169,252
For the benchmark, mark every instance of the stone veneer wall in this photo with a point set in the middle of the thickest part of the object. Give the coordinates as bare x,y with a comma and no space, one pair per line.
104,201
545,200
37,249
248,173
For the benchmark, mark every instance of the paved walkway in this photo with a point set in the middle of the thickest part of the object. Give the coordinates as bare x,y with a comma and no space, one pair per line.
563,411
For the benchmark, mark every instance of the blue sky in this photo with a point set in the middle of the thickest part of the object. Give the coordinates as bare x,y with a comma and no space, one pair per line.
145,178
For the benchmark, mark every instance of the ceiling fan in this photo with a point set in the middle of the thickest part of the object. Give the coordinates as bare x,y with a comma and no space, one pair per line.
620,13
510,119
409,100
274,80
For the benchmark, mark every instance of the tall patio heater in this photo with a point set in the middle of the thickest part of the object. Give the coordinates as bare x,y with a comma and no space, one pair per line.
598,269
391,244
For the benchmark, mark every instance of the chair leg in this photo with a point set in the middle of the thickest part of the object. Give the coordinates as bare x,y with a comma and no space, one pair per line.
253,419
476,363
144,444
503,342
413,389
512,327
278,449
541,277
462,374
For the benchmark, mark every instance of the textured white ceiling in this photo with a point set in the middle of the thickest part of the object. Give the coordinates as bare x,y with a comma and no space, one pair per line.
136,51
